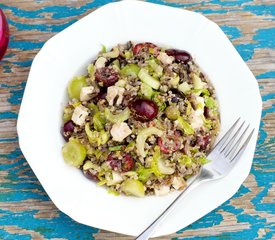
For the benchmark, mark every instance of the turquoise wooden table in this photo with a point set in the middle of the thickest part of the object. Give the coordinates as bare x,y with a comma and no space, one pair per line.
26,212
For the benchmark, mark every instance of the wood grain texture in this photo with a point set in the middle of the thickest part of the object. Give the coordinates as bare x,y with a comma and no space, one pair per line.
26,212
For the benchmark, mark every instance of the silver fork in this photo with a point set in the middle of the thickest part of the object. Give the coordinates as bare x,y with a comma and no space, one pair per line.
223,157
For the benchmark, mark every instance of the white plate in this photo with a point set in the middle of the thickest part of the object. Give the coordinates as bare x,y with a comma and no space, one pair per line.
69,52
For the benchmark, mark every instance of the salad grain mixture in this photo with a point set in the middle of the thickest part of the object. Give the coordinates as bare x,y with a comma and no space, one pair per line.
141,121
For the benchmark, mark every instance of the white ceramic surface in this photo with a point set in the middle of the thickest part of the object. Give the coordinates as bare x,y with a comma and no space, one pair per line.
69,52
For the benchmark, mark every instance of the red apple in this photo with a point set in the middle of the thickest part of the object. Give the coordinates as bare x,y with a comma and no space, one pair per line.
4,34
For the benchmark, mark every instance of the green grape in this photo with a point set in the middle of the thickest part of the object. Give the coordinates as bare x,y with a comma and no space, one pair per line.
133,187
75,86
74,153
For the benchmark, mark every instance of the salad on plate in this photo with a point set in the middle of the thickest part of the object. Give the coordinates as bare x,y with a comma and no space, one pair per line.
141,121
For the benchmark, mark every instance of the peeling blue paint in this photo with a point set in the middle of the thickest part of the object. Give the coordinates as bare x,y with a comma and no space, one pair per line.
8,115
232,32
21,181
261,10
270,74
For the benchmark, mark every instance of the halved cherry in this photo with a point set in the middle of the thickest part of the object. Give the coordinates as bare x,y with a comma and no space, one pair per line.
125,164
180,55
203,141
143,47
90,175
107,76
169,143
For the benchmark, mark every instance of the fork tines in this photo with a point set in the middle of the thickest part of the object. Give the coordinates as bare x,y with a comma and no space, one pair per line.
232,144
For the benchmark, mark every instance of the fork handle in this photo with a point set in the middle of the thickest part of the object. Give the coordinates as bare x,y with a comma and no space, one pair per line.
203,175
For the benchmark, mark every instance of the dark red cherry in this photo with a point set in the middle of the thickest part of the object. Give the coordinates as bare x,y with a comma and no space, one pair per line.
143,110
179,55
107,76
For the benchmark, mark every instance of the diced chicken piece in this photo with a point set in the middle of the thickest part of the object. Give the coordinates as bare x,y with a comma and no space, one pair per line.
200,102
100,62
162,190
197,116
196,119
114,92
165,59
120,131
116,178
86,93
79,115
178,183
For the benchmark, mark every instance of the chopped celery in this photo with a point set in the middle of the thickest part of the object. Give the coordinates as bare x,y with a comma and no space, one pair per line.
198,83
198,92
210,102
175,81
66,117
130,174
75,86
184,87
103,48
67,114
128,54
121,83
91,71
130,70
115,148
189,108
146,90
188,130
113,192
96,137
185,160
130,147
203,160
74,153
151,50
146,78
144,173
92,135
99,121
194,150
158,165
104,137
143,135
157,68
116,65
94,108
112,54
115,118
89,165
102,182
76,104
207,122
97,153
200,106
133,187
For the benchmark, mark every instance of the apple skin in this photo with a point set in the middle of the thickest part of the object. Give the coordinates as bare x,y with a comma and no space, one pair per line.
4,34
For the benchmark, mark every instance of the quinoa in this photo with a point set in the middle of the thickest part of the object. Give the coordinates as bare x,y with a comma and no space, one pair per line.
141,121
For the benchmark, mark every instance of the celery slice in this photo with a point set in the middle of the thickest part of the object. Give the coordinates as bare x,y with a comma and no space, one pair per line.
146,78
